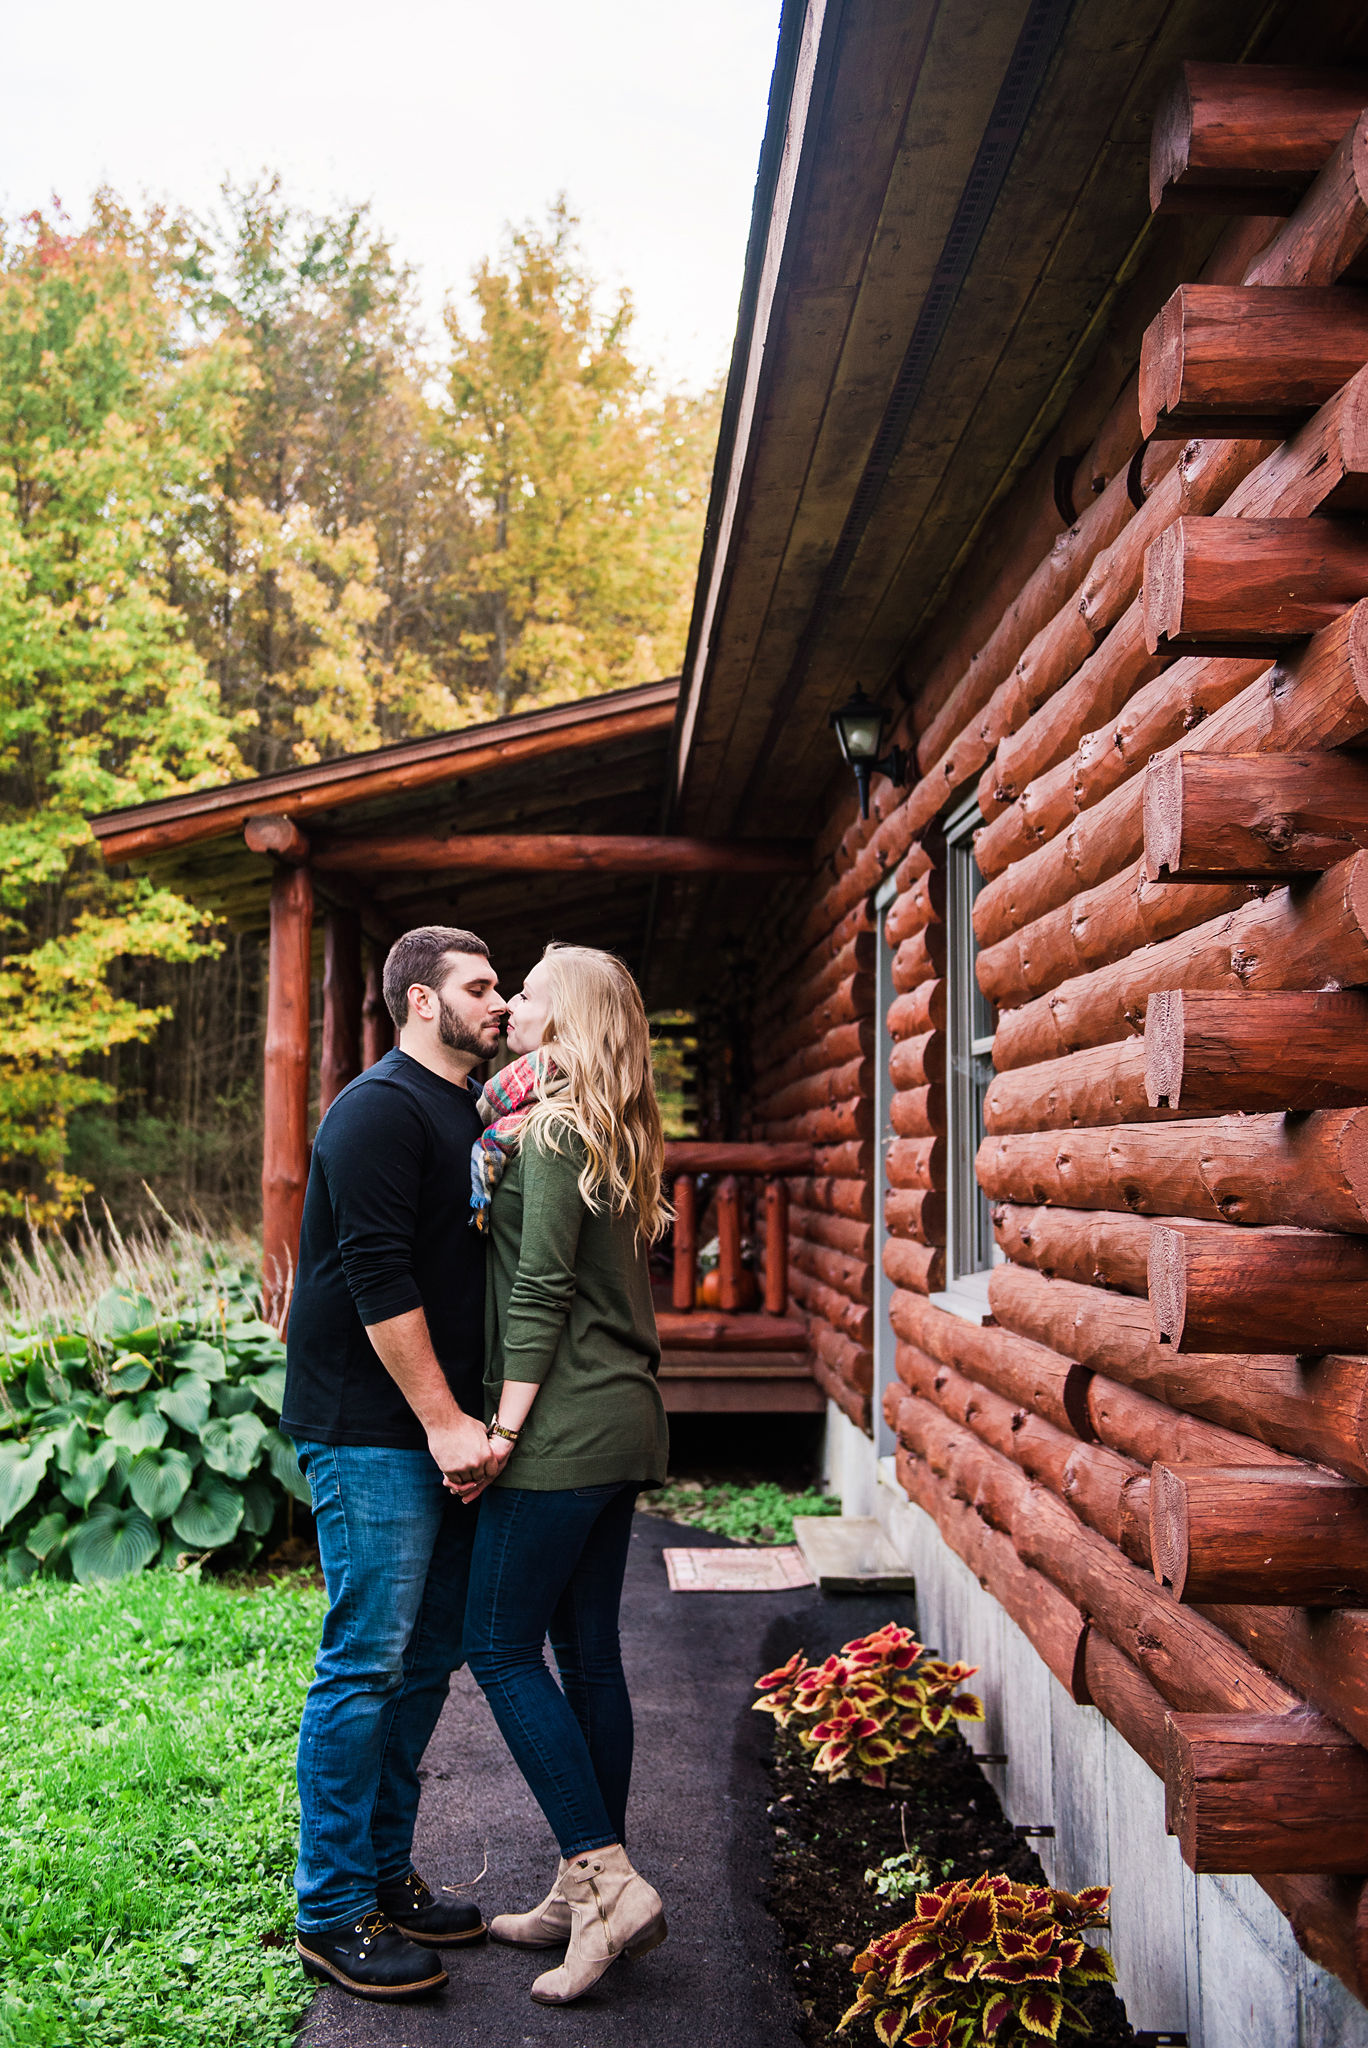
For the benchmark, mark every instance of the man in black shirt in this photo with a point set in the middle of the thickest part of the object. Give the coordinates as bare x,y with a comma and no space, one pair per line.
383,1396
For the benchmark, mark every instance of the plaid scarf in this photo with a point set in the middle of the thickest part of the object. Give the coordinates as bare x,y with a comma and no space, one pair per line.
504,1104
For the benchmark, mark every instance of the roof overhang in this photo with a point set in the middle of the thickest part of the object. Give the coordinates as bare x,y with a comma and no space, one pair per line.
952,199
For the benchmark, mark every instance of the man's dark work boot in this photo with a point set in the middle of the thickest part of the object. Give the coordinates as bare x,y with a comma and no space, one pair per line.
369,1958
437,1923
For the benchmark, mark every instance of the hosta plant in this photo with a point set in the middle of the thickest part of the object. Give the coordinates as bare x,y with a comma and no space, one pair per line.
139,1396
985,1961
877,1699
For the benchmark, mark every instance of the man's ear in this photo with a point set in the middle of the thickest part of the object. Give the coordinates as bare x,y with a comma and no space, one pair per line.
420,999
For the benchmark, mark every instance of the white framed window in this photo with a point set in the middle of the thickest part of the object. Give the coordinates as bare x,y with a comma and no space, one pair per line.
970,1250
885,1343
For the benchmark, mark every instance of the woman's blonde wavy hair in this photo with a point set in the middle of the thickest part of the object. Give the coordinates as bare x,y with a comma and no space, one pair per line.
601,1086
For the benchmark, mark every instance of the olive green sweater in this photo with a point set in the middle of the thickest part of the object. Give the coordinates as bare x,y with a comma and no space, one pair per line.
568,1304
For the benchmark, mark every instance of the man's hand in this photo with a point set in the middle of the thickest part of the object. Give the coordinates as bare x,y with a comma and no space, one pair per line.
456,1440
500,1450
462,1450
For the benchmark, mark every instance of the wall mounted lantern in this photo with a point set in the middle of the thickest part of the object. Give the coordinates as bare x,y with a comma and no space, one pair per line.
860,729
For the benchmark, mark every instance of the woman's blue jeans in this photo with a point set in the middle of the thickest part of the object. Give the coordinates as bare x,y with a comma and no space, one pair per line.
396,1550
552,1564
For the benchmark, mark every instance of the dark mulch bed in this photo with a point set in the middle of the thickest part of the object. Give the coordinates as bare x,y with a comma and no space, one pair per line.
827,1836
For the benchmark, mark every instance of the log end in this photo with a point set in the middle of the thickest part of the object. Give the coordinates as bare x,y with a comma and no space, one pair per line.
1167,1274
1163,814
1164,1038
1170,139
1161,588
278,836
1169,1528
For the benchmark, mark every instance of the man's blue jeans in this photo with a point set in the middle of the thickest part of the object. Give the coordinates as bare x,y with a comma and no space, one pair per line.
553,1564
396,1549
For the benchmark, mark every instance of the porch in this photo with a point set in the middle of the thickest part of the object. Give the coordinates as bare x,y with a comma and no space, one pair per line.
534,827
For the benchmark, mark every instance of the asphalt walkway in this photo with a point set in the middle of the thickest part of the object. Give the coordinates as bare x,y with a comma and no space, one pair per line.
697,1831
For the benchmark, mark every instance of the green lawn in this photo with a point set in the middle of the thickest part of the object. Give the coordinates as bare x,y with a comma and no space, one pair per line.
148,1813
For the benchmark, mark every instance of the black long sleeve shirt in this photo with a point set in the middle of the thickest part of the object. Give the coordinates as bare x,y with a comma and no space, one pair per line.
386,1229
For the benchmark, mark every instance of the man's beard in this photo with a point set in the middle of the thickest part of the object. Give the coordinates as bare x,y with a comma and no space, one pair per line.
458,1036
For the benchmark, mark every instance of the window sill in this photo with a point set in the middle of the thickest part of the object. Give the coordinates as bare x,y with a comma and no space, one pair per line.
966,1298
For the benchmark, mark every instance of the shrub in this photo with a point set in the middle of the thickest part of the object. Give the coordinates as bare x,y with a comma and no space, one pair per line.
983,1961
878,1699
138,1392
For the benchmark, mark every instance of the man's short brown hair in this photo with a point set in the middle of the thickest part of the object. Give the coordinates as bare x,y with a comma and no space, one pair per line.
420,956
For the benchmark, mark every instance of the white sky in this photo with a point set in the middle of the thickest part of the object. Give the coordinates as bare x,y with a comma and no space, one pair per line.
451,118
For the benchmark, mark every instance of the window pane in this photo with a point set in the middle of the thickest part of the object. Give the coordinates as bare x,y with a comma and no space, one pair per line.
972,1021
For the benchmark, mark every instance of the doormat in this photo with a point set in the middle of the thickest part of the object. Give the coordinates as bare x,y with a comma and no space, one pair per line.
737,1571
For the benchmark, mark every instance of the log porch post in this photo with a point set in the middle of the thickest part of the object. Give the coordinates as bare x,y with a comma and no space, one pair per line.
776,1247
285,1154
342,1005
377,1026
729,1243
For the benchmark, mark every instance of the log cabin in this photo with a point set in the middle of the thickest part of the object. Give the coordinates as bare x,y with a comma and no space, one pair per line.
1038,1069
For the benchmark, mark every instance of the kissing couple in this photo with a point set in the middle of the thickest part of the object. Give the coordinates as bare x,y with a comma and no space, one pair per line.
471,1388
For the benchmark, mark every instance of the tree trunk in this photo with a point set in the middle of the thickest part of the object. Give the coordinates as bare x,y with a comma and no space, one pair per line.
1235,138
1214,1290
1315,938
1300,1408
340,1060
1257,817
1310,1172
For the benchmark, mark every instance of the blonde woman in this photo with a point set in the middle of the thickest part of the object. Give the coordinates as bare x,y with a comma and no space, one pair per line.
567,1181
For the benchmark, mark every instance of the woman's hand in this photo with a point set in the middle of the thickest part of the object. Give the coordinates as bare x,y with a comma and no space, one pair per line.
500,1451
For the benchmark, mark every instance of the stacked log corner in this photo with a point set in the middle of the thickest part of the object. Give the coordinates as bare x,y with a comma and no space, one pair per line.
1156,1455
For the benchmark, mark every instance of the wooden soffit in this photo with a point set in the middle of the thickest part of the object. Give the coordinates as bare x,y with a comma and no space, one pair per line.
956,193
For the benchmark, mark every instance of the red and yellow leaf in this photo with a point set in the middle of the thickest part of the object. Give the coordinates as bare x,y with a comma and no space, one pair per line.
1039,2012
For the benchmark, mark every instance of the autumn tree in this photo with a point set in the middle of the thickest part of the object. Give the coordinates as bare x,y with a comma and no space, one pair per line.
587,491
110,428
247,519
336,517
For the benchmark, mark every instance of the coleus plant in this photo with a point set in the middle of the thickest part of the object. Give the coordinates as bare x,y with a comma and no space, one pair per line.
875,1700
985,1961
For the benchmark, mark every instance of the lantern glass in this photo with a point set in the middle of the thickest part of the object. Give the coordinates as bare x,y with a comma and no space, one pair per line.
859,728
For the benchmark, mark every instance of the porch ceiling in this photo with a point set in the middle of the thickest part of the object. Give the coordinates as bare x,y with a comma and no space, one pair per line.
596,766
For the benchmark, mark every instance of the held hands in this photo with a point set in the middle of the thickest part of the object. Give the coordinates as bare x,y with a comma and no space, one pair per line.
463,1452
468,1490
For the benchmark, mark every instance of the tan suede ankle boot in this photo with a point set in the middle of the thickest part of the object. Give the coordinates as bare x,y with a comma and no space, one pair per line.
613,1912
546,1926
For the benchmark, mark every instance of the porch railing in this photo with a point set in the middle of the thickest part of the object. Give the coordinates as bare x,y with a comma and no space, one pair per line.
685,1161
